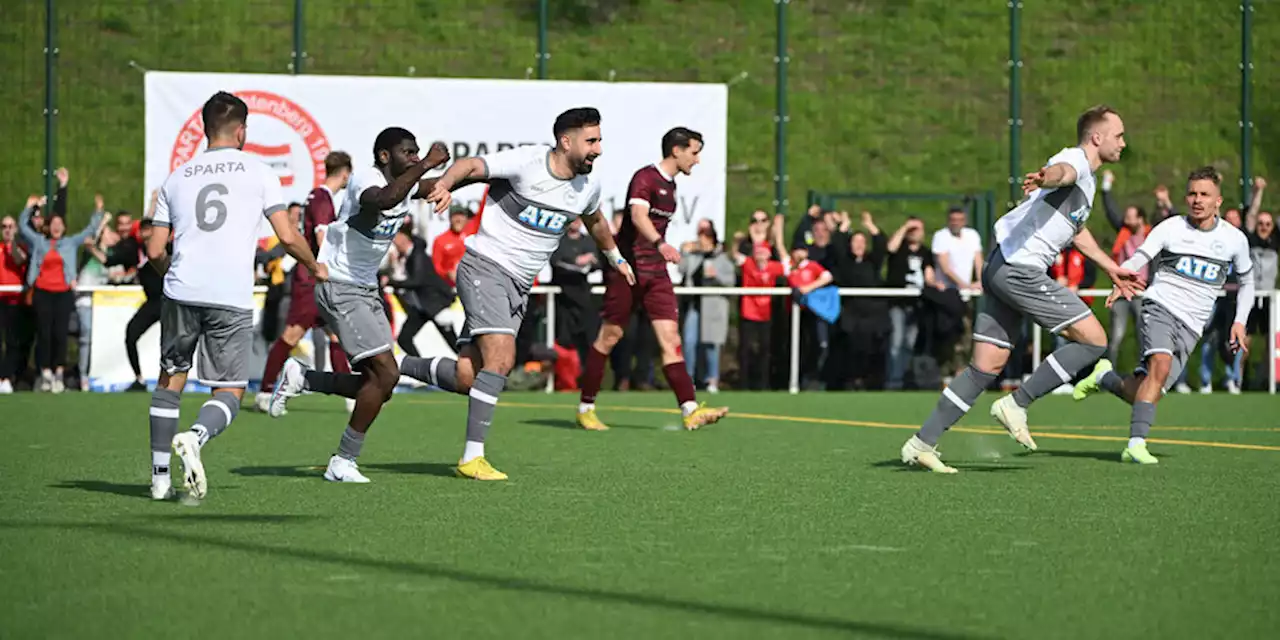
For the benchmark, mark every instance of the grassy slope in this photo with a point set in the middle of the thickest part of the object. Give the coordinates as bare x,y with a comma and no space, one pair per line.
753,528
885,94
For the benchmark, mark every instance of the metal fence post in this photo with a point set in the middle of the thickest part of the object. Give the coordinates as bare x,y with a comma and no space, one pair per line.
1271,340
50,96
794,378
551,338
1015,102
543,54
781,118
1246,98
299,47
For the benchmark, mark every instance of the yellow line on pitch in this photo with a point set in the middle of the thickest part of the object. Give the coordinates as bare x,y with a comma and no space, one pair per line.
890,425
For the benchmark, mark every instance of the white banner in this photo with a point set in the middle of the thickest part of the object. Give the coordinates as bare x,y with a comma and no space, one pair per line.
295,121
109,368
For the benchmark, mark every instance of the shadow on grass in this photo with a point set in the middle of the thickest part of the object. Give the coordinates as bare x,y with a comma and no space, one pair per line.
414,468
521,585
102,486
304,471
571,425
192,517
964,467
1105,456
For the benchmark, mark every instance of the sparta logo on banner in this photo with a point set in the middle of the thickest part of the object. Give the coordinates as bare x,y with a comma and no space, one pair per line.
281,133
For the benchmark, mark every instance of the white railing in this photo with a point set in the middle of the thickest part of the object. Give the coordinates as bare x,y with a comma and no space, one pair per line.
551,291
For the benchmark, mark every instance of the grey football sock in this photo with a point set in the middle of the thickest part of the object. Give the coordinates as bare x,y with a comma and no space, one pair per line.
441,372
1112,382
484,400
164,421
1058,369
956,401
346,385
216,415
352,442
1144,413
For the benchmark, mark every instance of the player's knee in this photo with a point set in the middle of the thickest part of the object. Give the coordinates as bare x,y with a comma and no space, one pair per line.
292,334
1159,365
610,334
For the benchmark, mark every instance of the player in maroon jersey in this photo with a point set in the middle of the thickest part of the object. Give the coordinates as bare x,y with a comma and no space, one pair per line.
651,198
319,211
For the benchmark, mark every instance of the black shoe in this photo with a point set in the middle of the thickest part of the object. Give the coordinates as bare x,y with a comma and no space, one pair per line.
137,386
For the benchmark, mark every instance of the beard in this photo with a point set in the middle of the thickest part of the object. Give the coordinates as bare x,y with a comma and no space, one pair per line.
583,167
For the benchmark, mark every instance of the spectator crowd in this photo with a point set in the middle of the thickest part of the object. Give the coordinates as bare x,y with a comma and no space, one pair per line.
913,341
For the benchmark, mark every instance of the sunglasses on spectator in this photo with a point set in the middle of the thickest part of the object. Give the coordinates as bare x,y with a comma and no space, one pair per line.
755,219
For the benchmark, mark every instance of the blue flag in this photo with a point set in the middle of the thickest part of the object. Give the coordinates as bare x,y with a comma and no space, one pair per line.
823,302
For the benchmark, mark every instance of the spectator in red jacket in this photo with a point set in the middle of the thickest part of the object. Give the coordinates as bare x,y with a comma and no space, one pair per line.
447,250
757,312
13,271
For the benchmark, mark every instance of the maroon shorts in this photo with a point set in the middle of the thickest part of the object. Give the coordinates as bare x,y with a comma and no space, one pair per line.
302,306
653,291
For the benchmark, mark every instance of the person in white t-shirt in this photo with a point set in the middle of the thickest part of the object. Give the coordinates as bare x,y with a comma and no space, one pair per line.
376,205
212,206
957,252
535,193
1018,286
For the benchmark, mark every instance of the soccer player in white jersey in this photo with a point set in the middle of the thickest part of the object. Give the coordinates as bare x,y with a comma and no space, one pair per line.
1017,285
376,205
211,206
535,193
1193,255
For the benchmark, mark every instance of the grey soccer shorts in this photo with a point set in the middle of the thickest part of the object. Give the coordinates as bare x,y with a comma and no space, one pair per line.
222,336
493,301
1162,332
355,313
1014,291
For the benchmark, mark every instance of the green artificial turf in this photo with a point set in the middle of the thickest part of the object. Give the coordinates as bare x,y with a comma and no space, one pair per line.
792,519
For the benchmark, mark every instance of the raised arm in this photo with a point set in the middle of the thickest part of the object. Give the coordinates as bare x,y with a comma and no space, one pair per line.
898,236
95,222
29,235
398,189
463,171
1053,176
1255,204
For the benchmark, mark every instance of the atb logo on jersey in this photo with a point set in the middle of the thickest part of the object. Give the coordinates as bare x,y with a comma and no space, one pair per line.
544,220
387,228
1194,267
1080,215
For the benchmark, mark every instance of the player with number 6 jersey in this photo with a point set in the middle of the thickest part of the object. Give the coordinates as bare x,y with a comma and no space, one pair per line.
212,207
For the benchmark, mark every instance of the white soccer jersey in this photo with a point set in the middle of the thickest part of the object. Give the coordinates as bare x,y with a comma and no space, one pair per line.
356,243
528,209
1036,231
1190,266
214,204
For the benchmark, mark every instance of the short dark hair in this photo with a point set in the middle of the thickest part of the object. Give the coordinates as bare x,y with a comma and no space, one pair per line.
956,209
575,118
221,111
390,138
1205,173
295,204
1091,118
122,212
146,223
336,161
1142,213
678,137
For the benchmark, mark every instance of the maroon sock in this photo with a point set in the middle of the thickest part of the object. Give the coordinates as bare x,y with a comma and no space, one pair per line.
338,358
681,383
275,360
593,375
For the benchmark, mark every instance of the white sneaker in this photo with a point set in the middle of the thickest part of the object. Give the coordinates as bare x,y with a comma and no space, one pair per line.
351,405
918,452
713,388
187,446
1014,419
1182,388
1063,390
1233,387
58,385
291,382
46,382
6,387
1206,389
344,470
262,403
161,487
